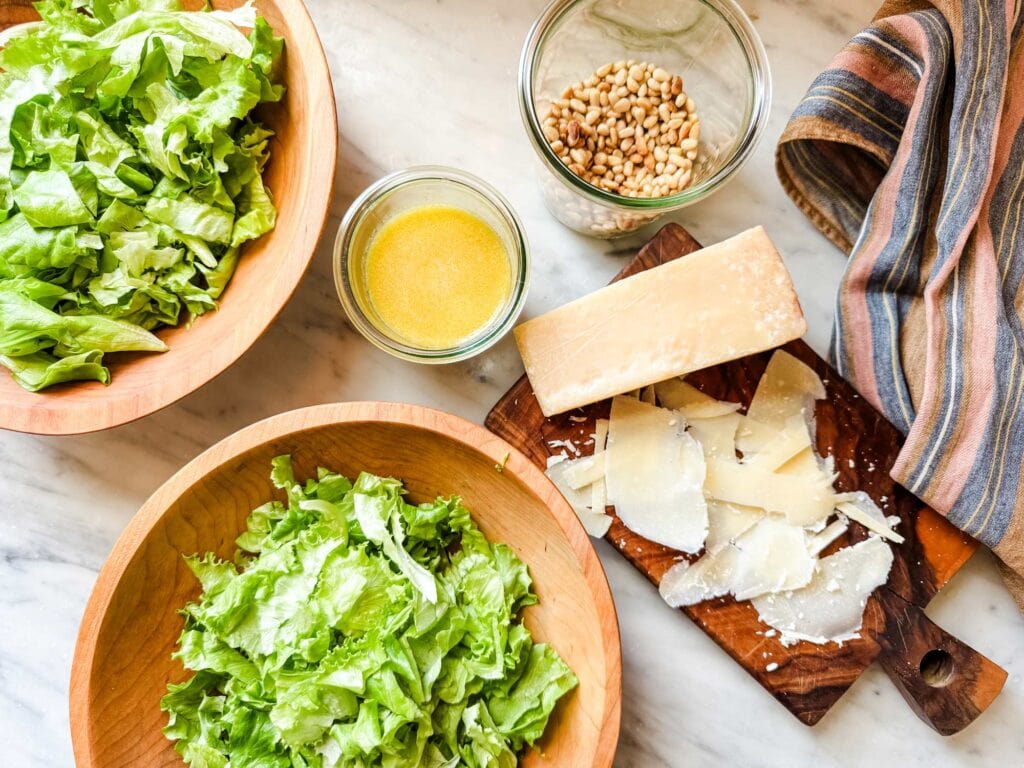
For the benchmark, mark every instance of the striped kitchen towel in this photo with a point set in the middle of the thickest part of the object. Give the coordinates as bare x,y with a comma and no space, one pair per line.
908,153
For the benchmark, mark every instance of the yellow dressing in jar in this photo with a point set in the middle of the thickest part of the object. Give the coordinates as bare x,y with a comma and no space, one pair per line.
436,275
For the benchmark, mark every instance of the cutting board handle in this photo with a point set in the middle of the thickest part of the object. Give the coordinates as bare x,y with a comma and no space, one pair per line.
946,682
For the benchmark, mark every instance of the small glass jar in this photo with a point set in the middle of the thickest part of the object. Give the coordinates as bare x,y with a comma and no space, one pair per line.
400,192
710,43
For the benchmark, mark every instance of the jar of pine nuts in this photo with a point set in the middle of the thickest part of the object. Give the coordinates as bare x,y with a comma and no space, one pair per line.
640,107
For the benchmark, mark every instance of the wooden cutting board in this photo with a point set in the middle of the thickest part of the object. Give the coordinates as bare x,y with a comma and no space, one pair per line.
945,681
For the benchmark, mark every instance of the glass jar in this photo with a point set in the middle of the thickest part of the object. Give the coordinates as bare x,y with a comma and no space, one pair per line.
710,43
403,191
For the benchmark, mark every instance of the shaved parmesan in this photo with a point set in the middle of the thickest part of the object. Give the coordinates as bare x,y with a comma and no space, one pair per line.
793,440
654,475
596,524
788,388
557,473
598,497
804,464
694,404
860,508
772,556
820,541
594,521
726,522
801,501
752,437
688,583
717,436
583,472
752,489
831,607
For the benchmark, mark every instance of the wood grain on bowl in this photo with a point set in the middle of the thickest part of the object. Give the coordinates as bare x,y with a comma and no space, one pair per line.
300,175
123,659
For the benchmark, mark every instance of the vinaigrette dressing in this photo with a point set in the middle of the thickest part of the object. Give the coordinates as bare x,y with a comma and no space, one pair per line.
436,275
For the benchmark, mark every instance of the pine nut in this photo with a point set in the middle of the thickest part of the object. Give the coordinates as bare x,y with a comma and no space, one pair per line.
629,128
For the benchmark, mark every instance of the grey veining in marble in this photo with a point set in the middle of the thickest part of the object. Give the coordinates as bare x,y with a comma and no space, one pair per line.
433,81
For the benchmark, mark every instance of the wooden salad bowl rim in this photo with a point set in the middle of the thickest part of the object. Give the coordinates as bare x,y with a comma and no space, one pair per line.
605,664
300,175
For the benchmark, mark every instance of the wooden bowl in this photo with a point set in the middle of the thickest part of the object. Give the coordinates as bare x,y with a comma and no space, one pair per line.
123,659
300,175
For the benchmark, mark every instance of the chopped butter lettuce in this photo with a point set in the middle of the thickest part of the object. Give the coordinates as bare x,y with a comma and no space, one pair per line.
356,629
130,175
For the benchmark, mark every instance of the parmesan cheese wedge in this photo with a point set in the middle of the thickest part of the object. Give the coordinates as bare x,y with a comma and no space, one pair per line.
658,324
802,501
654,475
831,607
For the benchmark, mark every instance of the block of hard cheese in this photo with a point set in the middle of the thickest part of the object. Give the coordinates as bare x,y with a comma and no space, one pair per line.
717,304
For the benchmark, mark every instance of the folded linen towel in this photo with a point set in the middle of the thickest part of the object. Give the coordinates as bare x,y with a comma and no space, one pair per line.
908,152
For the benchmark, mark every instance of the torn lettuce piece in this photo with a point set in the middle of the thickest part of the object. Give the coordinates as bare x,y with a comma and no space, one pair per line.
355,628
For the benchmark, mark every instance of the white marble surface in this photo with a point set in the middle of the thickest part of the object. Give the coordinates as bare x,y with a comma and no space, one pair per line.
432,81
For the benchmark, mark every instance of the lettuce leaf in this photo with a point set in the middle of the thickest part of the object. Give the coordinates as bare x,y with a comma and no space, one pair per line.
130,174
356,629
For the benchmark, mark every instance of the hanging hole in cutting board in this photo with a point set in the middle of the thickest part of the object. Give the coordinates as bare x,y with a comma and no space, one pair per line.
937,668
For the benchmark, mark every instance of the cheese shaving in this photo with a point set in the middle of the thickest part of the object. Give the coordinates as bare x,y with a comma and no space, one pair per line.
690,401
821,541
585,471
717,436
831,607
598,496
770,556
654,475
860,508
792,441
802,502
595,522
726,522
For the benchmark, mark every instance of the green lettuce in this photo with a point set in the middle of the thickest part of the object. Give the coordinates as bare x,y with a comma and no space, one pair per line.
130,175
355,629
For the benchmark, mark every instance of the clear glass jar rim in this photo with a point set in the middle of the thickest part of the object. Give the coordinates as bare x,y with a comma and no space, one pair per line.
365,203
757,59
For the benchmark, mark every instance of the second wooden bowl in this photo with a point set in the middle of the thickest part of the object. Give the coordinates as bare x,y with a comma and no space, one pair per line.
300,175
123,659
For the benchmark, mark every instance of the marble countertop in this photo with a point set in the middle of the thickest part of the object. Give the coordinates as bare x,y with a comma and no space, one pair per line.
433,81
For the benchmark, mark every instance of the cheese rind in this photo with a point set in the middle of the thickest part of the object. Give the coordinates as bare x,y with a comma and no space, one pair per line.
717,304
